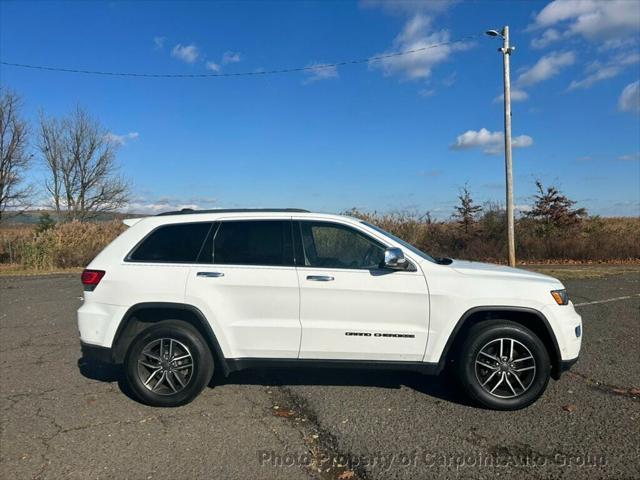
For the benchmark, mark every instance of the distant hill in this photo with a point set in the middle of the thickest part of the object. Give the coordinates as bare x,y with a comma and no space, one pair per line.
33,216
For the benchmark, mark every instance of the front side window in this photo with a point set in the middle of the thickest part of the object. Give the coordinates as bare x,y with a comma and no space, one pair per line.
254,242
177,243
405,244
332,245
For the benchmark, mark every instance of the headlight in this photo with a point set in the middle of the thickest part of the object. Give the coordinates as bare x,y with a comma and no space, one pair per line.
560,296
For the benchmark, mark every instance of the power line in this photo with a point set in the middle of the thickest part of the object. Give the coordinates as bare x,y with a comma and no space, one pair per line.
241,74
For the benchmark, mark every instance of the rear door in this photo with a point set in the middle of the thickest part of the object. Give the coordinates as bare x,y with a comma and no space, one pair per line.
247,286
351,308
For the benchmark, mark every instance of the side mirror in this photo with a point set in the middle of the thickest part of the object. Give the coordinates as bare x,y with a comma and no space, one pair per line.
394,259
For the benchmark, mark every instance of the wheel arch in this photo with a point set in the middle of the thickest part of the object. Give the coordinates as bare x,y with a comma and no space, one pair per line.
530,318
142,315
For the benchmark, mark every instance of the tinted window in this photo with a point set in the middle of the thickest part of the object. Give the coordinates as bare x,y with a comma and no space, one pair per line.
172,243
331,245
255,242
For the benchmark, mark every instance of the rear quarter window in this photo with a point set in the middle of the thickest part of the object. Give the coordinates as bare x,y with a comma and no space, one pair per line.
176,243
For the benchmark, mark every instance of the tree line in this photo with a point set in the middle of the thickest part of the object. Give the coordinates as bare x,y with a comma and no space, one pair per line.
81,179
551,209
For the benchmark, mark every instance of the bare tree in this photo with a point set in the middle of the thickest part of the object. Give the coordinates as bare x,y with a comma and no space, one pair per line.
82,174
466,212
14,159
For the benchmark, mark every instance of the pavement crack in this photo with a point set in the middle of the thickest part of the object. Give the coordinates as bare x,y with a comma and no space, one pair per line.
46,441
517,454
327,459
629,392
262,421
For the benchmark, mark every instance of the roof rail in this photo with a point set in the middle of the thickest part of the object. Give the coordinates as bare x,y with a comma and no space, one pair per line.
189,211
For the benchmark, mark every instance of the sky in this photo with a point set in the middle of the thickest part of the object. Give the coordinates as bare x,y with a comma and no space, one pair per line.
401,133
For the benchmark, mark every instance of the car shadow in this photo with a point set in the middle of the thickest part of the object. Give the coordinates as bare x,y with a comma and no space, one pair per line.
442,387
104,372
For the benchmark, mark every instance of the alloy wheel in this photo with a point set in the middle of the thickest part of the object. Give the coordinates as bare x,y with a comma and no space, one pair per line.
505,368
165,366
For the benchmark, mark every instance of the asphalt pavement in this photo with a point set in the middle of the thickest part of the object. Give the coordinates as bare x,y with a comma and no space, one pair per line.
62,417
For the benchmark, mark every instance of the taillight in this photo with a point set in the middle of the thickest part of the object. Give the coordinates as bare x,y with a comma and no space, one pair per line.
91,279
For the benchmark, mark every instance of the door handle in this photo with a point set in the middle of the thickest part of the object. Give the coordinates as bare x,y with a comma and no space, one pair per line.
210,274
320,278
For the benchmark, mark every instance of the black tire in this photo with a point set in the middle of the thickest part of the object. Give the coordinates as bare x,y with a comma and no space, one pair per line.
185,339
485,336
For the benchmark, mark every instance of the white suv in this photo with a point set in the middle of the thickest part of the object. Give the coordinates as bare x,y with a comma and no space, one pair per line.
179,294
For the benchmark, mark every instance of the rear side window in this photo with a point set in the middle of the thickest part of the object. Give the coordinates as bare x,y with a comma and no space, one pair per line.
255,242
178,243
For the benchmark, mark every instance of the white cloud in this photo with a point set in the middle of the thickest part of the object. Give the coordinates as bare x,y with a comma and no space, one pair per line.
547,67
491,143
450,79
159,42
598,71
427,92
629,100
630,157
214,67
517,95
322,72
548,37
122,139
152,206
186,53
414,36
594,20
231,57
598,75
522,208
408,7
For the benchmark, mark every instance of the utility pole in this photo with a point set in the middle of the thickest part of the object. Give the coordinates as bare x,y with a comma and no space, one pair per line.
506,51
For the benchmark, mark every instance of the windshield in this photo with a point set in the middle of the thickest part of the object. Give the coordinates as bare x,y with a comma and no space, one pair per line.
415,250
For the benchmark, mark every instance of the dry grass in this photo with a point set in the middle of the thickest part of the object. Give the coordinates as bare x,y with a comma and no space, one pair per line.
73,245
595,240
12,269
576,272
67,245
13,238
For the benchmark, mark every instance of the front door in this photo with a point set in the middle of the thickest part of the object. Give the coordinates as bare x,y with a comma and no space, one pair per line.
350,308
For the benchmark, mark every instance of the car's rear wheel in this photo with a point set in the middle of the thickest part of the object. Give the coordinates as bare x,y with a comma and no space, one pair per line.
503,365
168,364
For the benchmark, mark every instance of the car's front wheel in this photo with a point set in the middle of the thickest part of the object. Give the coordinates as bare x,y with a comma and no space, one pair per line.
168,364
503,365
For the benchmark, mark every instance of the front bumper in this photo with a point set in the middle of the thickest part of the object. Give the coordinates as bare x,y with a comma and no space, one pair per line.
566,365
566,324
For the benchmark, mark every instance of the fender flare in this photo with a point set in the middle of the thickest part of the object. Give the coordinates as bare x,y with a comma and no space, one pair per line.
119,350
555,362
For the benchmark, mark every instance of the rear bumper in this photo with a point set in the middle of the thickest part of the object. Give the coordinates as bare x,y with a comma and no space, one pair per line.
98,322
96,353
